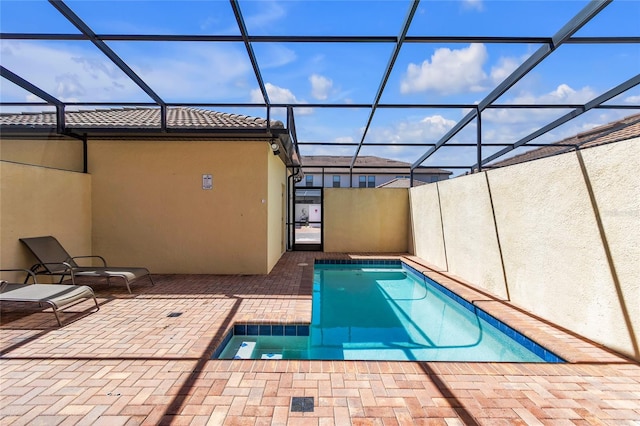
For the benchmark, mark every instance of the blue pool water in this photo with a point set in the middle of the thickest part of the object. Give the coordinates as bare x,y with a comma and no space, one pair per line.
385,311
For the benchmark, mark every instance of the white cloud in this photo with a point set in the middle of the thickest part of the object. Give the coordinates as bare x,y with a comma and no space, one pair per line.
67,72
511,133
425,130
320,86
180,72
69,87
563,94
32,98
473,4
194,71
419,129
269,14
275,55
448,71
632,99
344,139
276,94
279,95
504,68
438,124
510,125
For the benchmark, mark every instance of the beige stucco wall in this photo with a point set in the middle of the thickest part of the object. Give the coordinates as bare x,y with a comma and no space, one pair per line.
619,213
276,206
567,229
149,207
555,257
470,237
36,201
366,220
65,154
455,230
426,225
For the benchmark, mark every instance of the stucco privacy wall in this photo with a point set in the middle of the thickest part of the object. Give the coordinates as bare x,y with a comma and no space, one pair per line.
469,225
568,234
36,201
276,205
57,153
150,209
366,220
426,225
619,225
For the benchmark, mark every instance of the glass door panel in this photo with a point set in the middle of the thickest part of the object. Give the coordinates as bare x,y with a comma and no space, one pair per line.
308,219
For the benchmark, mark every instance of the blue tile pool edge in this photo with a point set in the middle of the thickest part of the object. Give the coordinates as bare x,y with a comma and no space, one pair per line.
286,329
261,329
512,333
379,262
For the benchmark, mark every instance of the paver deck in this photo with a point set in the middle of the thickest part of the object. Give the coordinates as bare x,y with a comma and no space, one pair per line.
132,364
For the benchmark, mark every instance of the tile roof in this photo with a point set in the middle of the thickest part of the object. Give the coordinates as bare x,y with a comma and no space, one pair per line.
135,118
401,183
364,164
616,131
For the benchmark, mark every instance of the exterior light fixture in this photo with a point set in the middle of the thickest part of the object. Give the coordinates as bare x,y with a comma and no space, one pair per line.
275,148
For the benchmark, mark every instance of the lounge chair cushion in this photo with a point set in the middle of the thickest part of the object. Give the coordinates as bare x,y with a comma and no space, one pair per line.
129,274
58,295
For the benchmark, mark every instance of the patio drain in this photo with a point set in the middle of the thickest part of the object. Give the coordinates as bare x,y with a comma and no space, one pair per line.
302,404
174,314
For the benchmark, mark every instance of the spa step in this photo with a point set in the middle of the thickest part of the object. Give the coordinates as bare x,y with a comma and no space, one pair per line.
245,351
271,356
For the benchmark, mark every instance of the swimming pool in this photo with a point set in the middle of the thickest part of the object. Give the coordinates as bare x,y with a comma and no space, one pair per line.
384,310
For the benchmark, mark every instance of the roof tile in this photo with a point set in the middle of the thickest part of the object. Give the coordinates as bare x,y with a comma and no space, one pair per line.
147,118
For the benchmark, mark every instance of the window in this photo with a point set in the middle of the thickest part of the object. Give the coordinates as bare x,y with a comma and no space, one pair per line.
336,181
367,182
308,180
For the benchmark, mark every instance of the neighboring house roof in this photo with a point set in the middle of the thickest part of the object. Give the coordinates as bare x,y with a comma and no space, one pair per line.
364,164
616,131
401,183
134,118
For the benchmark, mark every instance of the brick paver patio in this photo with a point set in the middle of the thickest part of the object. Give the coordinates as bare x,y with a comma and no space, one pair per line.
130,363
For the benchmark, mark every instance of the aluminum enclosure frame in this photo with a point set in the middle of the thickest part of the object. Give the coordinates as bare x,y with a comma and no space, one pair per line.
548,46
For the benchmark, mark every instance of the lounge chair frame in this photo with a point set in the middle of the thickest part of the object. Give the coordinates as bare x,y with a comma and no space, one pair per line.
55,261
57,296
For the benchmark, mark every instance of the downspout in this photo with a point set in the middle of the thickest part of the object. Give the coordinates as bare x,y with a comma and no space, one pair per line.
290,189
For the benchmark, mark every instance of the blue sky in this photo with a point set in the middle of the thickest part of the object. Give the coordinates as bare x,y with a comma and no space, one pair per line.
339,73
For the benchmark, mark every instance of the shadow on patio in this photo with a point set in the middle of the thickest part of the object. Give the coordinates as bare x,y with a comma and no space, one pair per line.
135,363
